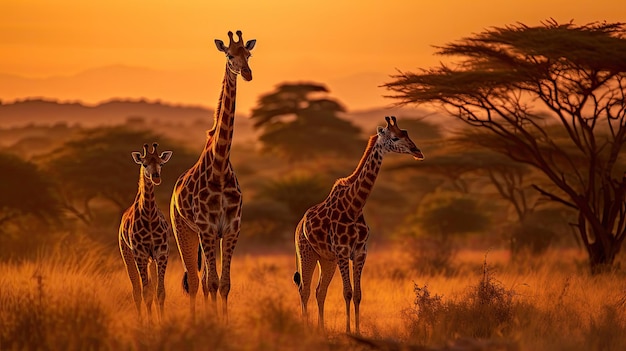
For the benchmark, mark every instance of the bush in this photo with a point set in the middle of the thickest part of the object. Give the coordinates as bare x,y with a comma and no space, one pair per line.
432,256
539,230
34,320
485,311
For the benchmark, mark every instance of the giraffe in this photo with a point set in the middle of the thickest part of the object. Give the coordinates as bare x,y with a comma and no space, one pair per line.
333,232
206,201
144,233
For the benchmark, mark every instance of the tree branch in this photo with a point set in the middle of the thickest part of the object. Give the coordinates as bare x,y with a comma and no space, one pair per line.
554,197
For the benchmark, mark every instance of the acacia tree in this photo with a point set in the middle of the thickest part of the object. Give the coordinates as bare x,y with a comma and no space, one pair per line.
25,190
299,121
529,86
97,164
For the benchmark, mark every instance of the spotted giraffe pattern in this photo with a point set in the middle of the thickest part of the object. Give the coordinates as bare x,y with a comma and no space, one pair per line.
334,232
144,233
206,202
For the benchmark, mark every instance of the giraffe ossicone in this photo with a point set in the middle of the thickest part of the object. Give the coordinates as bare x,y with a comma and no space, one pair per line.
206,201
333,232
144,233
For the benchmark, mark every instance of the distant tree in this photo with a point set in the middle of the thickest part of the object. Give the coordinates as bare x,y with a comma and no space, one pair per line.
474,170
98,164
26,190
298,125
279,204
442,216
529,86
447,214
296,192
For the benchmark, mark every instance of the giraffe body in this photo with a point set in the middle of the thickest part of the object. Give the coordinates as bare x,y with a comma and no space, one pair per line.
206,201
144,233
334,232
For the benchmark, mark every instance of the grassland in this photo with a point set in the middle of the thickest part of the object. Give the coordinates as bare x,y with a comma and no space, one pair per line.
81,300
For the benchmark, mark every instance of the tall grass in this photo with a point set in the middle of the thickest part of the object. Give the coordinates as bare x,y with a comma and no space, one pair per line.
80,299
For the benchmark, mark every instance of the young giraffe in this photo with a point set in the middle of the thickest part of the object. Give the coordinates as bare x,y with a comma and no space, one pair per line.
334,232
144,233
206,202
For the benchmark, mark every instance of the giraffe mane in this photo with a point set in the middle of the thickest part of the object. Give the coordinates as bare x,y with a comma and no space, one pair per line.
216,113
368,150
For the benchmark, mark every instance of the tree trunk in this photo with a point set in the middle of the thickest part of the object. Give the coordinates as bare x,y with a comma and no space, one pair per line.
601,258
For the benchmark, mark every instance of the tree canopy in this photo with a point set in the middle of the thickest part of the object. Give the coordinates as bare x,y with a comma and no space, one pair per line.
550,96
98,164
25,190
299,123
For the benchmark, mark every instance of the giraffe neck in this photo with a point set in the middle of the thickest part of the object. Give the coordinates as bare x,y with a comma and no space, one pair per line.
361,181
145,193
217,149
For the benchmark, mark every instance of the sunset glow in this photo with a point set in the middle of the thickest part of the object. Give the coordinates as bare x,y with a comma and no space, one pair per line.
352,49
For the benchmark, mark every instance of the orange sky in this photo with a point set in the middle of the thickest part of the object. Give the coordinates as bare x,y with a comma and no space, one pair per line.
352,46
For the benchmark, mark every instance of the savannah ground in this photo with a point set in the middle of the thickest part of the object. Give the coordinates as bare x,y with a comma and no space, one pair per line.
79,298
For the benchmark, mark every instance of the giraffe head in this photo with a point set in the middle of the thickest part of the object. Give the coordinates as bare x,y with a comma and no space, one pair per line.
151,162
237,54
397,140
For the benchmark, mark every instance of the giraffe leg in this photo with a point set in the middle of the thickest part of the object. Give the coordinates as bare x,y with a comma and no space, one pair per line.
357,266
327,271
160,293
187,241
147,289
152,286
344,269
204,267
307,258
228,247
209,245
133,274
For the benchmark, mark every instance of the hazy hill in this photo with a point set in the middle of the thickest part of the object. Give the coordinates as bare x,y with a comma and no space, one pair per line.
117,81
117,111
182,122
50,112
184,86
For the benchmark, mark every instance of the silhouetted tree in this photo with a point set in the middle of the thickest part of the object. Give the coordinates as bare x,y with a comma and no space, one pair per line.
26,190
297,192
442,216
298,125
98,165
529,87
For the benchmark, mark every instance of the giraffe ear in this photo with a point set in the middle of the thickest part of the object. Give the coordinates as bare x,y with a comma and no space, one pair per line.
250,44
165,156
380,130
220,45
136,157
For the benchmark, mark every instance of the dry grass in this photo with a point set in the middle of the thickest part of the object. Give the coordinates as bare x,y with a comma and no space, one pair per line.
83,302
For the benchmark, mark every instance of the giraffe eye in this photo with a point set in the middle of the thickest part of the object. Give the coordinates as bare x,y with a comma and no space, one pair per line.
395,139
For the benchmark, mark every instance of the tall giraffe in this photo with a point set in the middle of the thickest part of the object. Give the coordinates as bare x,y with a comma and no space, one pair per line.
144,233
334,231
206,202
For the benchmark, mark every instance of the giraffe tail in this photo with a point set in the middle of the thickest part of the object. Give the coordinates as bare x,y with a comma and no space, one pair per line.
185,283
186,274
200,258
297,278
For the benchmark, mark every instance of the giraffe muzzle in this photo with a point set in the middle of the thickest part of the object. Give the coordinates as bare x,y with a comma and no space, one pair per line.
156,179
246,74
417,154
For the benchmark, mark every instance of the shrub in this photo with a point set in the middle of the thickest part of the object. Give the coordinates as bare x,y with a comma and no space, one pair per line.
34,320
485,311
